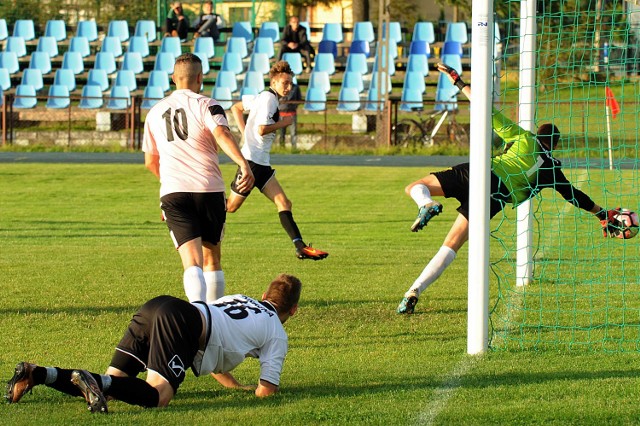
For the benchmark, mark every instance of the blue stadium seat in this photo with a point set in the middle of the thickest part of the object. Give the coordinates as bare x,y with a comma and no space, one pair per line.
4,31
232,62
16,45
423,31
151,96
393,48
147,29
411,100
315,100
165,62
40,60
353,80
242,29
139,44
419,47
320,80
227,79
271,30
119,98
58,97
132,61
5,79
264,45
25,97
295,61
451,48
254,79
205,45
364,31
105,61
357,62
88,29
454,61
98,77
57,29
205,62
1,97
306,25
159,79
80,44
325,62
457,31
126,78
259,62
24,28
446,99
418,63
32,77
238,45
65,77
73,61
171,45
348,99
395,31
91,97
391,65
374,82
373,103
414,80
49,45
223,96
333,32
360,46
9,61
118,28
328,46
113,45
248,91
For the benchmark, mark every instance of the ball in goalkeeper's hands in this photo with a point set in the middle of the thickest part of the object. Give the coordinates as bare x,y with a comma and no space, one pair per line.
626,224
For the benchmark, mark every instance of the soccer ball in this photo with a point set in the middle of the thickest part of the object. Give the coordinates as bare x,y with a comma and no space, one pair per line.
627,224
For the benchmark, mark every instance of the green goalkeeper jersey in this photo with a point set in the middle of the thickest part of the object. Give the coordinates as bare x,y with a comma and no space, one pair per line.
517,167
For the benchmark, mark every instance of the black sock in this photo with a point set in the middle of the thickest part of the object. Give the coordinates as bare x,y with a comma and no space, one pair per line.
289,225
63,382
134,391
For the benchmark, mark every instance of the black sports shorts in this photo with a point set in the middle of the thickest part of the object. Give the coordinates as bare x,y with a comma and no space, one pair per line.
455,184
262,175
163,336
190,215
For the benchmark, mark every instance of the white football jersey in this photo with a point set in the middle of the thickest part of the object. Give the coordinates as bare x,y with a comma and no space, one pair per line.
241,327
263,111
179,129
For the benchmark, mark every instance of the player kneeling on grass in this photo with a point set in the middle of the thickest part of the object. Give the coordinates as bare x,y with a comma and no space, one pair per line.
524,168
258,133
167,336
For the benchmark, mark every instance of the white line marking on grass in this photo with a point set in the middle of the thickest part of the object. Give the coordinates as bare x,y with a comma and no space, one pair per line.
448,388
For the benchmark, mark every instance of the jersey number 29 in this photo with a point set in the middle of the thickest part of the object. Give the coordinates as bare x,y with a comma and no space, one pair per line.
179,124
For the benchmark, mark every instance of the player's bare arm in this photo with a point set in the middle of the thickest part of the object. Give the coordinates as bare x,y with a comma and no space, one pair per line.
230,147
237,110
455,79
152,162
270,128
228,381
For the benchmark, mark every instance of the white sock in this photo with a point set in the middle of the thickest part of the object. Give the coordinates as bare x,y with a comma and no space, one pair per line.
194,285
420,194
215,285
432,271
52,375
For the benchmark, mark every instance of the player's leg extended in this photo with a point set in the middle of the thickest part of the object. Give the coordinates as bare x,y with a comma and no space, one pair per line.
421,192
191,254
455,239
213,274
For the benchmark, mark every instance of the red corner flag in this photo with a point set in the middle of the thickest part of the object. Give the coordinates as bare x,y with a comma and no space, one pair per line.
611,102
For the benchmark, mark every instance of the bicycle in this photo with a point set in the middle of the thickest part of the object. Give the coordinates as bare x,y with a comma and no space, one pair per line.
421,132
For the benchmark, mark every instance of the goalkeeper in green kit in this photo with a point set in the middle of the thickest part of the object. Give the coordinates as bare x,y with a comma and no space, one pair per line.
524,168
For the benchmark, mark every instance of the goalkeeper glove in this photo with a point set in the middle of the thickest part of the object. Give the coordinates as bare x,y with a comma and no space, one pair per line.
610,225
457,81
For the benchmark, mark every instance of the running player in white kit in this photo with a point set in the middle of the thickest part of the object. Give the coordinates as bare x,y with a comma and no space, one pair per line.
182,133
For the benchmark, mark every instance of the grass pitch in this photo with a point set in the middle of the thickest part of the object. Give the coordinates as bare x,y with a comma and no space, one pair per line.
82,247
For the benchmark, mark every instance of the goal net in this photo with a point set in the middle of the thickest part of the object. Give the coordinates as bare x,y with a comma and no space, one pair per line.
584,290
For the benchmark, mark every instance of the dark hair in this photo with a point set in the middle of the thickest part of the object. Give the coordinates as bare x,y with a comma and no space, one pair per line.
284,292
548,135
188,58
280,67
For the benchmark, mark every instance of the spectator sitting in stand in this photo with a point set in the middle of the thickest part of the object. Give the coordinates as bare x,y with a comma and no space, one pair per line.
294,39
176,24
208,23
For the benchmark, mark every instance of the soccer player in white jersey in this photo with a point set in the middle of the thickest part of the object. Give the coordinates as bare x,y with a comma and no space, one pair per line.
182,133
259,132
169,335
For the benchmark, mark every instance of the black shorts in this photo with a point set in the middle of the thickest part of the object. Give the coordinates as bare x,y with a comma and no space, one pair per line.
190,215
163,336
262,175
455,184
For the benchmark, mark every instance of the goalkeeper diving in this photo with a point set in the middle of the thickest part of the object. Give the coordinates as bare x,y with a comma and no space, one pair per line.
523,169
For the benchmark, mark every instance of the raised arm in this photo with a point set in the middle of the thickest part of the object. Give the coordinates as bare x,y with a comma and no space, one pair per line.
455,79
